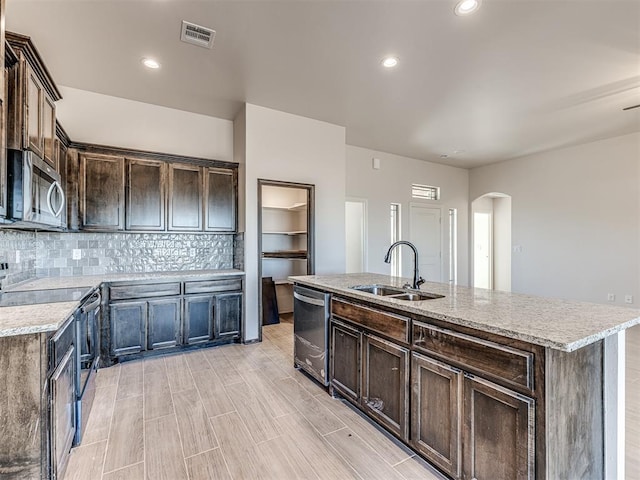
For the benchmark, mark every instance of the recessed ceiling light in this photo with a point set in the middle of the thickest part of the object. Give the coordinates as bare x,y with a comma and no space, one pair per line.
389,62
466,7
150,63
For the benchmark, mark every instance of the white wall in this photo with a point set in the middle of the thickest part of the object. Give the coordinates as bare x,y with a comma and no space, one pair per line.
502,243
392,184
576,216
104,120
281,146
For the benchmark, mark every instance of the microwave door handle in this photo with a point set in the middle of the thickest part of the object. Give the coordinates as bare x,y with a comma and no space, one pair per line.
54,212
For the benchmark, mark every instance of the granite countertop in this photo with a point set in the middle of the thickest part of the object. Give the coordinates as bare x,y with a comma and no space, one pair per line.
46,317
559,324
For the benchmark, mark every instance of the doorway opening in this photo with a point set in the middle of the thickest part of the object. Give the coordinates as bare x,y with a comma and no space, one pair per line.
491,246
285,244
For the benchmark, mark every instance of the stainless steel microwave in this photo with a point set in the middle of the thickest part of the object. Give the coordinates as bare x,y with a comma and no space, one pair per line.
35,196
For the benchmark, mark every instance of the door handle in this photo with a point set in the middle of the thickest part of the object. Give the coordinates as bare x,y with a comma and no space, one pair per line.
55,212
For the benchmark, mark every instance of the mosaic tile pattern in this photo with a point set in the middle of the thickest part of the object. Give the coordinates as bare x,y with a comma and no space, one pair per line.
46,254
102,253
14,244
238,251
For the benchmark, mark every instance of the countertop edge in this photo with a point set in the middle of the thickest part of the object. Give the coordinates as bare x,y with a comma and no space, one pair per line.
91,282
423,310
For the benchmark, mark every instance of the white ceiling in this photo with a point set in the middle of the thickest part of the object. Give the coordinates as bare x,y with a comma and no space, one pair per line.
518,77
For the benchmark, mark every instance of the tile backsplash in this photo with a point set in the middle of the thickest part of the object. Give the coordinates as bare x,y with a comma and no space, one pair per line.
46,254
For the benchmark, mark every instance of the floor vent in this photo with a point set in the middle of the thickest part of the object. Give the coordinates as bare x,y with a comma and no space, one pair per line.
197,35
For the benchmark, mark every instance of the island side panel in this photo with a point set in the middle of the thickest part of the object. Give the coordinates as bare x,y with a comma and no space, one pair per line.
575,413
20,407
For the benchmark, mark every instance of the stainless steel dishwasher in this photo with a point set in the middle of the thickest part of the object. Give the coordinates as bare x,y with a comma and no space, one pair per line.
311,332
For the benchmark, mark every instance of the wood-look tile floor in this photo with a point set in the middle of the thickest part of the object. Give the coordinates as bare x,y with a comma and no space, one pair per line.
231,412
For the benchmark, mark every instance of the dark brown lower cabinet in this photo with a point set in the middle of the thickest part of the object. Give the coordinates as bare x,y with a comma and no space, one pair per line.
345,360
63,412
499,432
128,327
163,328
385,383
227,315
436,415
198,318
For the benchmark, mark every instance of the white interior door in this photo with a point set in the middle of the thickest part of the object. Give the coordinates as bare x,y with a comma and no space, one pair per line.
425,232
355,241
482,271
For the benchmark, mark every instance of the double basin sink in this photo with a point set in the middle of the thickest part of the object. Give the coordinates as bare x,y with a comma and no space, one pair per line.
397,293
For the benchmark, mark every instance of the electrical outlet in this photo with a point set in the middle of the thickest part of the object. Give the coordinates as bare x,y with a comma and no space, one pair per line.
611,297
76,254
17,256
628,299
517,249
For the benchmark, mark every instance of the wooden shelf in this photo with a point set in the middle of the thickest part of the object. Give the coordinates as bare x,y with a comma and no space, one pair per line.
295,232
292,254
296,207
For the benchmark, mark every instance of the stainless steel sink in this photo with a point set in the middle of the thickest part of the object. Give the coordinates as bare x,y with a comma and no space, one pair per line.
413,297
379,289
397,293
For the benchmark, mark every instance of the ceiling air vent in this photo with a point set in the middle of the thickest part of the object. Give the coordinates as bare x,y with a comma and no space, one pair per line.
197,35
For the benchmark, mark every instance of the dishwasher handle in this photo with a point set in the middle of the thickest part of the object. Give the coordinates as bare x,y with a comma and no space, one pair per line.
87,307
305,299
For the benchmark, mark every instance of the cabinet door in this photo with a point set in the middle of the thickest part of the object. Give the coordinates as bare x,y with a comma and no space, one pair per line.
101,192
499,432
127,327
385,384
198,318
49,131
145,195
185,197
163,329
33,112
227,315
62,412
436,412
220,200
345,360
4,126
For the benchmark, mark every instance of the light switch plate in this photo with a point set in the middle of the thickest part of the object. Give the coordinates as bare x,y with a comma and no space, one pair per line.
76,254
628,299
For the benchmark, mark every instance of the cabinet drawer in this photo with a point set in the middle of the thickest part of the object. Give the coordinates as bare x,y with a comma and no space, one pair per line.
144,291
213,286
388,324
505,363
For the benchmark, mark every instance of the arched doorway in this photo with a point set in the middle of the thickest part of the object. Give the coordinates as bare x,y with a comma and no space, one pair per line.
491,241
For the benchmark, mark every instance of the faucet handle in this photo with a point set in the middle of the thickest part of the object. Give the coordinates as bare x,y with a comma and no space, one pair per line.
420,282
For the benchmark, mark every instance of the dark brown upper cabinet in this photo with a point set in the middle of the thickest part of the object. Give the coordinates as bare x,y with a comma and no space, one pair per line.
145,195
101,188
185,197
220,185
120,189
32,94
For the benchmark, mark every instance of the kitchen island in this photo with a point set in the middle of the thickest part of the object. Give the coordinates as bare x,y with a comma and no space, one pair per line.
484,384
